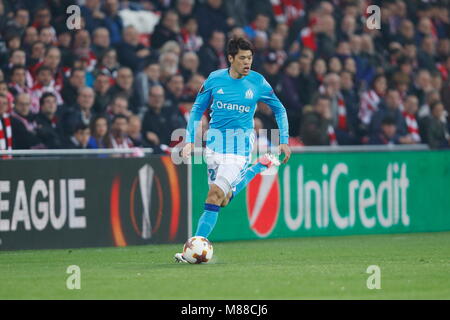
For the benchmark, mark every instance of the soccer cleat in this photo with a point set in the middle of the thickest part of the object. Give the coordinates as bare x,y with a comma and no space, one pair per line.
269,160
179,258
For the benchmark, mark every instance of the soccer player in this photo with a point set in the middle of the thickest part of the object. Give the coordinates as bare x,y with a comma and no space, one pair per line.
234,93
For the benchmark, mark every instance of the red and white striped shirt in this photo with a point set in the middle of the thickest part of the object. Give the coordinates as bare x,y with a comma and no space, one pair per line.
413,128
5,132
369,105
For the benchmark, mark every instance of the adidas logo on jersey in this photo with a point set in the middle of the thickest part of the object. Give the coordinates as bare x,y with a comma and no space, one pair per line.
220,91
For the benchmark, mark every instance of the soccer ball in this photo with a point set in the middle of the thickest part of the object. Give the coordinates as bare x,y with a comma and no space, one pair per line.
198,250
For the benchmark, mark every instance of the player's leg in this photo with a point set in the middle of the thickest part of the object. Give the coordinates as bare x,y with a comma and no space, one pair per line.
228,171
213,200
265,162
210,214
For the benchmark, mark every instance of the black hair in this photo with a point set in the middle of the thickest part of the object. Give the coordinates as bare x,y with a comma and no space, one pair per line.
388,121
434,104
236,44
44,96
119,116
320,97
18,67
80,127
44,68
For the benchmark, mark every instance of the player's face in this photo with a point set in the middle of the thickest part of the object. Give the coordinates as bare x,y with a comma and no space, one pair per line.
242,62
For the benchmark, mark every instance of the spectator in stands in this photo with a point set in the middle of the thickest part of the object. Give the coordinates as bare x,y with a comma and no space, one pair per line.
64,42
343,117
371,99
113,21
99,133
391,107
189,65
193,85
409,113
135,130
19,23
52,60
100,41
47,36
316,128
212,55
81,112
145,80
18,84
48,128
427,54
259,27
168,63
108,63
29,37
42,18
276,45
77,80
124,86
435,131
168,29
319,71
18,58
185,10
9,96
119,138
24,130
326,38
103,95
212,15
422,85
80,137
131,53
289,95
271,71
405,33
174,90
45,83
119,105
82,49
7,139
92,14
307,83
37,53
155,127
387,134
191,41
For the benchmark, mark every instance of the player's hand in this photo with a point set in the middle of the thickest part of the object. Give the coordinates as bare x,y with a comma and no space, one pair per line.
187,150
284,148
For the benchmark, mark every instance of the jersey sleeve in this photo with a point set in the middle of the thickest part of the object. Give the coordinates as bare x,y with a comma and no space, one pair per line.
202,102
269,98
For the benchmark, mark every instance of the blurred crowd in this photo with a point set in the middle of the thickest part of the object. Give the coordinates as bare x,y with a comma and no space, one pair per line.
129,76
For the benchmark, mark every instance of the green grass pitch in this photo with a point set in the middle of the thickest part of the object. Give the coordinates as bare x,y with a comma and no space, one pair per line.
413,266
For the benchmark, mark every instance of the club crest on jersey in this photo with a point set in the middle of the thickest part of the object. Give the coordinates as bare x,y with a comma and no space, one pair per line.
249,94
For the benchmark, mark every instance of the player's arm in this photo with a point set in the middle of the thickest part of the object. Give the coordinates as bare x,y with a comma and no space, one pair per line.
202,102
268,97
